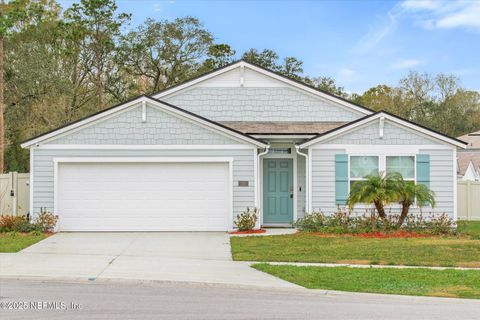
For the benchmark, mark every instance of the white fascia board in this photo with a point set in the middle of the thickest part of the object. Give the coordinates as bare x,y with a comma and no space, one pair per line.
401,122
145,147
282,136
164,107
243,64
142,159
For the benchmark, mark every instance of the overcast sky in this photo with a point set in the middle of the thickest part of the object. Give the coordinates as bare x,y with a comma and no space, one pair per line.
359,43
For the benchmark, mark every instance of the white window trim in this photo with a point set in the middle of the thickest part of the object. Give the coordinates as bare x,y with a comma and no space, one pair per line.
57,161
382,164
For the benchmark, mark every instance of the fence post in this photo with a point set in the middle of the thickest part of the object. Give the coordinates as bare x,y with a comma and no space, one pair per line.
14,192
469,198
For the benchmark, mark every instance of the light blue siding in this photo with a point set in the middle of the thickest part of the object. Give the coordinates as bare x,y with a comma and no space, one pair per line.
160,128
323,180
43,190
260,104
392,135
441,181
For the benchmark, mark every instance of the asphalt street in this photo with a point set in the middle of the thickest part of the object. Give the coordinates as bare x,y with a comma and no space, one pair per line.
167,300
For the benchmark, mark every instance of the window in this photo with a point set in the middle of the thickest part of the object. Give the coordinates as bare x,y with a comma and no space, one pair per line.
405,165
280,150
362,166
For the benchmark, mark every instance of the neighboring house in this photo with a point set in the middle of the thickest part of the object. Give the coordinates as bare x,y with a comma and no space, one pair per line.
193,156
469,159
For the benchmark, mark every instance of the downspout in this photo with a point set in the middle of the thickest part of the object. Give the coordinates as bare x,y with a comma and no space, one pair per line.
307,178
260,220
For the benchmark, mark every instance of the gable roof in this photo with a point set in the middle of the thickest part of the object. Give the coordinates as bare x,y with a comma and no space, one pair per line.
385,115
143,98
473,139
466,158
270,73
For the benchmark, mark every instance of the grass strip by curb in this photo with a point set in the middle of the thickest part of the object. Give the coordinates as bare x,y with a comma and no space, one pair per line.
415,282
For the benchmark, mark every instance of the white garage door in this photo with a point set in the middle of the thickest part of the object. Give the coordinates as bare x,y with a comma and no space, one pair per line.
143,196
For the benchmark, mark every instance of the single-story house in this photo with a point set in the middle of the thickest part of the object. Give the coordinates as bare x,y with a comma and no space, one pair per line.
195,155
468,167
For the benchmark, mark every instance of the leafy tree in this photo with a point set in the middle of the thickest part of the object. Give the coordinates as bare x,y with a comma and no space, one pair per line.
266,58
99,24
407,192
437,102
327,84
292,67
269,59
161,53
219,55
17,17
375,189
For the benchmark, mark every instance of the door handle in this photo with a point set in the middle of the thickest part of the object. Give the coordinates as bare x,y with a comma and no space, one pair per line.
291,195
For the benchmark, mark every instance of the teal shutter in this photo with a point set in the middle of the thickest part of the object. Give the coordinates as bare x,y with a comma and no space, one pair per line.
423,169
341,179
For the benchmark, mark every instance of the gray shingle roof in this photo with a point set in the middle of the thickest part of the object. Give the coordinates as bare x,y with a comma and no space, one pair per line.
282,127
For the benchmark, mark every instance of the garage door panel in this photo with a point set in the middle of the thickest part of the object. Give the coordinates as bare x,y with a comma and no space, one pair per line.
143,196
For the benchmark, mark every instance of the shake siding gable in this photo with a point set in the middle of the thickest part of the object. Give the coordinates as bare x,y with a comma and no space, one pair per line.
160,128
259,104
393,135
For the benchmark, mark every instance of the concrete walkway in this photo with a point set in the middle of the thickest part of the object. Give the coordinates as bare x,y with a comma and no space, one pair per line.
332,265
166,256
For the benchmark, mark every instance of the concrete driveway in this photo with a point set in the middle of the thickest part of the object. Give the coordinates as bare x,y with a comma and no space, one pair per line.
165,256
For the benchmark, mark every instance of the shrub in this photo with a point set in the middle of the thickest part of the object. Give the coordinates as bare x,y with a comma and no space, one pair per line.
314,222
16,224
246,220
7,222
46,221
343,222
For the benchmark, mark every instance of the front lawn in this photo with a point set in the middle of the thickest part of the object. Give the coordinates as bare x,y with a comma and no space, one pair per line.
14,242
471,228
307,247
418,282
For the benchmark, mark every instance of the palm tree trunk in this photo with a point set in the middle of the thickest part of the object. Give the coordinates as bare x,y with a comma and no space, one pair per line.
381,212
403,214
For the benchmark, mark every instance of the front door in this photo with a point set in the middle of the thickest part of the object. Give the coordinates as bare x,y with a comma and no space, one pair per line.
277,191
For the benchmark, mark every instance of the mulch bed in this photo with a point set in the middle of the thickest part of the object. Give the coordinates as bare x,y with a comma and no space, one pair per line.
249,231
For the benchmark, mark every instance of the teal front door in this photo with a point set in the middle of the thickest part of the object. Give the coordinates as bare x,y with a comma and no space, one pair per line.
277,191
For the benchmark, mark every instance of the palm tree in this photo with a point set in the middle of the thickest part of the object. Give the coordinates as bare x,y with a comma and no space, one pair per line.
375,189
407,192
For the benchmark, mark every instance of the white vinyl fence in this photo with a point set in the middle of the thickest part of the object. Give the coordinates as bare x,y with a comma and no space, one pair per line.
14,193
468,200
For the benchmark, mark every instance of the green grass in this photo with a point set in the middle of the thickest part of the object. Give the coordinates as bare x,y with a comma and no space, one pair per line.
471,228
14,242
305,247
417,282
